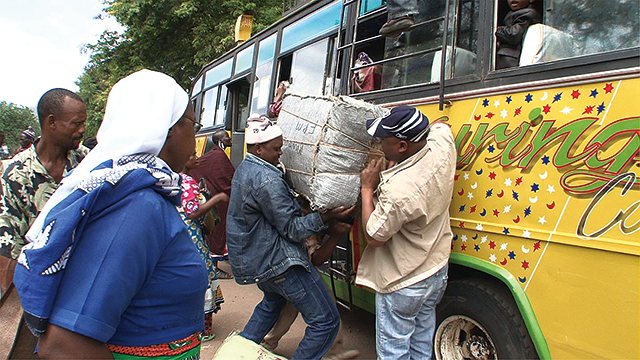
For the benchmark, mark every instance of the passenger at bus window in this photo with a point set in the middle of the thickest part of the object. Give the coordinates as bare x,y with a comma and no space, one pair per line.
400,17
266,240
368,78
407,229
276,105
510,36
130,265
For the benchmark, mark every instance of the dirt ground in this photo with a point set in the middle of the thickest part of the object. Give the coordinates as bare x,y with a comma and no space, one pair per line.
358,326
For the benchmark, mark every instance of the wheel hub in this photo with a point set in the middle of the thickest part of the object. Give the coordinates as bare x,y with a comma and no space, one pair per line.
461,338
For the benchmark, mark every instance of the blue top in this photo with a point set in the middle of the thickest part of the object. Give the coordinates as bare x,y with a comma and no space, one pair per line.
136,277
265,232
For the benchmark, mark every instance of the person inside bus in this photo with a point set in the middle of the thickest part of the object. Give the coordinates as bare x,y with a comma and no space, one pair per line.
400,17
510,36
266,241
276,105
111,270
407,230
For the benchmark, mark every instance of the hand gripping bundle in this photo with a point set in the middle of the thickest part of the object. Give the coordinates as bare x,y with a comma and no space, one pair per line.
326,146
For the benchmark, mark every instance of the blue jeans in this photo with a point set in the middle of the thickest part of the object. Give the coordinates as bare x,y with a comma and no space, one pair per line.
399,8
406,319
308,293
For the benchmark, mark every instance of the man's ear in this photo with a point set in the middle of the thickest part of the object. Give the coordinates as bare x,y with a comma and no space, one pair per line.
258,149
50,121
402,146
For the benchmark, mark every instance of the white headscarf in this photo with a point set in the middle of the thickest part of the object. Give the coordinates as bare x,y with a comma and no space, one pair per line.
260,129
140,110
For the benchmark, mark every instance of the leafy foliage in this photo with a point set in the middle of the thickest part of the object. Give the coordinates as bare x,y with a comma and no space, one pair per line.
177,37
13,120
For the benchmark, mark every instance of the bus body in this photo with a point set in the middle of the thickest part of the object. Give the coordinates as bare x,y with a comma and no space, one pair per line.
545,254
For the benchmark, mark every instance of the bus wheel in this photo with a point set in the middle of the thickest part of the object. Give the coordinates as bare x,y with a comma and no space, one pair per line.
478,319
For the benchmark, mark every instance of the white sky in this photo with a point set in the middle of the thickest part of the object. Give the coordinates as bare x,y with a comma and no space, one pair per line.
41,42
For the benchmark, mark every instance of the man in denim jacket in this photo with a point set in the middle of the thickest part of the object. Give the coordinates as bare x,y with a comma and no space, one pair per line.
266,242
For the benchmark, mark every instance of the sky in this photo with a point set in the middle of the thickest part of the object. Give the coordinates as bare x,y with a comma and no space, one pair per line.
41,43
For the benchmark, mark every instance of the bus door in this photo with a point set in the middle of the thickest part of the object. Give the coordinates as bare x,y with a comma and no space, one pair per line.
238,112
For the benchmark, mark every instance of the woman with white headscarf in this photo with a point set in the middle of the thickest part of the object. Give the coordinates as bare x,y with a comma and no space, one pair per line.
111,270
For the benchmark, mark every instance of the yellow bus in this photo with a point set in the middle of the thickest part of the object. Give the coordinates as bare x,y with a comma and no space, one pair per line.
546,248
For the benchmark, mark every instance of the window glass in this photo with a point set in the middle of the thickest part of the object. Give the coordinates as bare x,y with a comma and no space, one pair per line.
311,26
218,74
571,28
208,111
262,83
197,87
412,58
221,111
308,67
244,59
242,105
370,5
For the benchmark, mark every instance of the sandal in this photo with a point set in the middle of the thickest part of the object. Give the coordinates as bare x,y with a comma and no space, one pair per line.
208,337
223,274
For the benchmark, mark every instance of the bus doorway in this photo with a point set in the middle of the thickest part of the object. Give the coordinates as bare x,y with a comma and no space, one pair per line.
239,112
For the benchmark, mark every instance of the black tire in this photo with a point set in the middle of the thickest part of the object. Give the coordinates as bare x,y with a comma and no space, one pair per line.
478,319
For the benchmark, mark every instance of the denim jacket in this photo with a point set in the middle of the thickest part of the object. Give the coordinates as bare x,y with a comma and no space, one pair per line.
265,232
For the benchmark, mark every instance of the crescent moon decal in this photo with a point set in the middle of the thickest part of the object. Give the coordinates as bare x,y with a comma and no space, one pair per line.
484,212
544,96
479,172
475,185
477,117
461,192
543,176
455,237
503,262
517,219
475,237
551,206
501,194
525,250
533,200
522,279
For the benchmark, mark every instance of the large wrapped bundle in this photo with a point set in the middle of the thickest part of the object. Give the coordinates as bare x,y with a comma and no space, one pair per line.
326,146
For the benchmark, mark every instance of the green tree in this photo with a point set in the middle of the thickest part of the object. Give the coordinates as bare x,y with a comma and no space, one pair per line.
177,37
13,120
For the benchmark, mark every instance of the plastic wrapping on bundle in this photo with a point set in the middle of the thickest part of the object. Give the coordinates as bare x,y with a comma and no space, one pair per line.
326,146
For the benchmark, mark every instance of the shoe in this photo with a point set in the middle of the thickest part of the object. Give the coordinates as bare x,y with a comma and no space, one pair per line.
223,274
394,27
208,337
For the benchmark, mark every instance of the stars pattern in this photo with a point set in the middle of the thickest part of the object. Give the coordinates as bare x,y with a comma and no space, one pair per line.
463,238
515,195
519,181
503,246
525,264
542,220
490,115
492,175
483,239
526,234
588,109
608,88
545,160
536,246
546,109
506,209
461,209
463,247
470,195
466,176
505,231
476,247
479,227
557,98
527,211
551,189
512,255
472,209
518,111
496,212
492,244
535,187
528,98
601,108
489,193
566,110
504,113
491,148
485,102
575,94
509,100
594,93
507,182
496,103
492,258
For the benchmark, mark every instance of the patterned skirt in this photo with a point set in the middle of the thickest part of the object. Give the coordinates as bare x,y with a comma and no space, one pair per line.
183,349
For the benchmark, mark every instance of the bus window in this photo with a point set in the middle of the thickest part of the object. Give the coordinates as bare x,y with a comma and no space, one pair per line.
239,93
208,111
308,68
573,28
262,82
221,110
413,57
219,73
316,24
244,60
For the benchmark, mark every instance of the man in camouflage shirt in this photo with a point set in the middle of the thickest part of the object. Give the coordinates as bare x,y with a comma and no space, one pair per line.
31,177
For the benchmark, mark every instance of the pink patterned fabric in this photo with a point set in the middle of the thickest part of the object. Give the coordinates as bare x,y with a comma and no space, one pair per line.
190,194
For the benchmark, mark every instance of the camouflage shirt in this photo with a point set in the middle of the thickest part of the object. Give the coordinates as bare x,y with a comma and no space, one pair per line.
26,187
